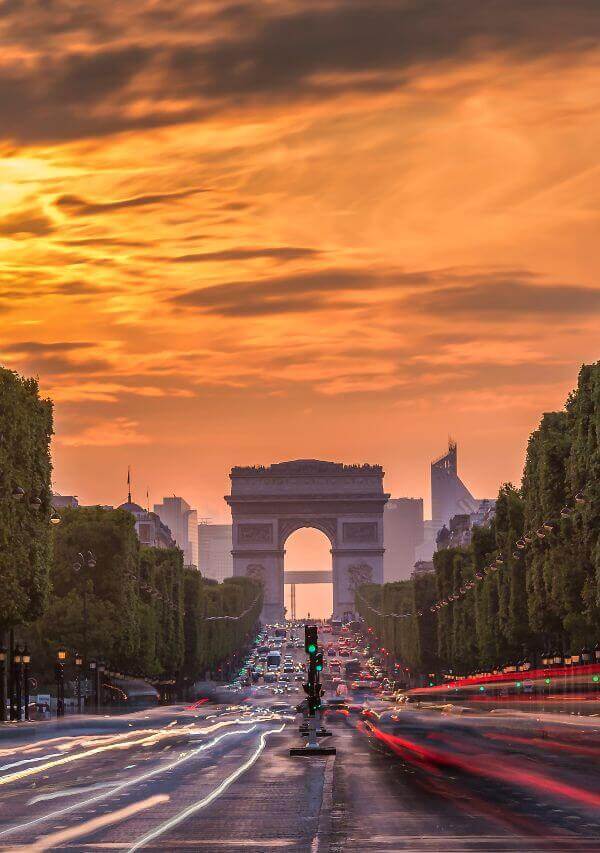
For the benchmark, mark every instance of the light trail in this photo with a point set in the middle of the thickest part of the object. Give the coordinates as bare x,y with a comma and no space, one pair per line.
30,760
70,792
121,786
123,741
206,801
63,835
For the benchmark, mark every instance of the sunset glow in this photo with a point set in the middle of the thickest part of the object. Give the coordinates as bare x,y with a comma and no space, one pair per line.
236,233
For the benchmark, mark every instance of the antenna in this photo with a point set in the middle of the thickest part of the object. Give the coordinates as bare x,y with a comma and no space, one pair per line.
129,484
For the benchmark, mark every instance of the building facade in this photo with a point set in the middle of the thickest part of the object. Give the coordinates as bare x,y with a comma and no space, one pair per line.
215,544
403,533
150,529
182,521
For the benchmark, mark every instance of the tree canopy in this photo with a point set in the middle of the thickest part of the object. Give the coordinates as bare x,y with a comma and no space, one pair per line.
547,597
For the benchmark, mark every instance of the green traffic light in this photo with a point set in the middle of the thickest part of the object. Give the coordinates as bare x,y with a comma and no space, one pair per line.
518,683
319,667
595,678
431,683
548,680
482,688
312,649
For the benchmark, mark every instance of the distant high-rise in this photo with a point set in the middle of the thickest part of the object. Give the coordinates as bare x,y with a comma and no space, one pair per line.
182,520
449,495
214,549
402,535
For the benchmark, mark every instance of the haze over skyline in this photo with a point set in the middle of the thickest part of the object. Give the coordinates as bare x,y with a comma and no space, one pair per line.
236,233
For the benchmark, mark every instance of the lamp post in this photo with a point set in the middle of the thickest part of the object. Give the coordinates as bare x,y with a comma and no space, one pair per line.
17,678
61,657
82,562
78,662
100,675
94,671
26,660
2,684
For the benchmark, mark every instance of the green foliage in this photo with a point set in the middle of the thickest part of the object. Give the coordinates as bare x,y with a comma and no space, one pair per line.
547,597
145,610
25,432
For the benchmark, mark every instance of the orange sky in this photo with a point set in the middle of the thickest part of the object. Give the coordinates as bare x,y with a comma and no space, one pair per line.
241,232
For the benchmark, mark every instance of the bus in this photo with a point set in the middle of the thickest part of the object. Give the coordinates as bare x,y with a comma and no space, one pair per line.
336,626
273,660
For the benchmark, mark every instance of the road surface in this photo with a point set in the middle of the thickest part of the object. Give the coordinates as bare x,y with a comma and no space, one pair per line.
218,778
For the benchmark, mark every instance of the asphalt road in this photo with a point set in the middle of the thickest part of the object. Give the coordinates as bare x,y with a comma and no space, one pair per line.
218,779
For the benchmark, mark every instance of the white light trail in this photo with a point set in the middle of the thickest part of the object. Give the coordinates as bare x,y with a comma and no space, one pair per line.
121,786
206,801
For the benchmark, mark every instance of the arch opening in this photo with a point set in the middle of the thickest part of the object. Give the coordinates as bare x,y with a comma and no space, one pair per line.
308,550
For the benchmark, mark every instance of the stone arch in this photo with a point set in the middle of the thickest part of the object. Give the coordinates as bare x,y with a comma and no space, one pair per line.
288,526
344,502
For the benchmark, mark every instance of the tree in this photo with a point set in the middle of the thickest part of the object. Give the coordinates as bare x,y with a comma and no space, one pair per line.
25,433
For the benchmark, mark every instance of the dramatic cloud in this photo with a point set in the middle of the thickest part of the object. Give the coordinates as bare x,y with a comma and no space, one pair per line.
277,253
147,68
30,222
77,206
513,300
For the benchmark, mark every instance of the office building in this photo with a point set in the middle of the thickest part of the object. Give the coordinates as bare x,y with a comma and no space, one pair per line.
182,521
402,536
214,549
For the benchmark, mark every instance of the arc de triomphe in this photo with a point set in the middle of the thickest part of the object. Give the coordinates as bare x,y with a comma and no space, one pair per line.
345,502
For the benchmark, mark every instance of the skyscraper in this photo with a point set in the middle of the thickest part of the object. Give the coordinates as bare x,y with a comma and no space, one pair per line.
449,495
402,535
214,549
182,520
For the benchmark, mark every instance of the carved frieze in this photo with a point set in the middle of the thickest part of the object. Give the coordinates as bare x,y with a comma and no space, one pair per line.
360,531
256,571
359,574
255,534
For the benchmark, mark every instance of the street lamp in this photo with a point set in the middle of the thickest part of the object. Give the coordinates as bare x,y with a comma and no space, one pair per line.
94,670
61,657
26,660
78,661
101,671
84,561
18,666
2,684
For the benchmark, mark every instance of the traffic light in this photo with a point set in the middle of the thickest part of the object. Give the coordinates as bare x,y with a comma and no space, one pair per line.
311,639
314,703
319,661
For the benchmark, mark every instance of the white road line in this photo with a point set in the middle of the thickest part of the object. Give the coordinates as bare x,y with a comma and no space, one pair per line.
121,786
206,801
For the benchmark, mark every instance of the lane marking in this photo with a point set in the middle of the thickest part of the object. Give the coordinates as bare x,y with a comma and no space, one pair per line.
206,801
124,785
